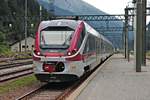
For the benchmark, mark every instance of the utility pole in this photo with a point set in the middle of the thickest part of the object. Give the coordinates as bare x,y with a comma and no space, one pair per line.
126,34
144,2
123,40
40,12
138,35
26,2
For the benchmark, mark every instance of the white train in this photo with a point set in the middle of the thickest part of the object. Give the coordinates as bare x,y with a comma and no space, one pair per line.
66,49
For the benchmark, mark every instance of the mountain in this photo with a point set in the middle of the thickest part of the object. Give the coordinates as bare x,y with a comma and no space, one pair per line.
74,7
79,7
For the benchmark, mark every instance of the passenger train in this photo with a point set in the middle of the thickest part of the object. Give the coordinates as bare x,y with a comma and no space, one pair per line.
66,49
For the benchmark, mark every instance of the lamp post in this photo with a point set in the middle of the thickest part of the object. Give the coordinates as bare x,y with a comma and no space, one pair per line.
26,2
126,40
40,12
10,25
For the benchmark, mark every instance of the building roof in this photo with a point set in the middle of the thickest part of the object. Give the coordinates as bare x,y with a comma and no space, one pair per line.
19,41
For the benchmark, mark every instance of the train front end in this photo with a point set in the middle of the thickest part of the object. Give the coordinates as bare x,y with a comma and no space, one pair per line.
56,56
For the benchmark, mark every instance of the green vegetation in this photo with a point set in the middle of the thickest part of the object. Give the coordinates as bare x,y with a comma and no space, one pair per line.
148,53
12,21
25,81
4,48
12,18
19,55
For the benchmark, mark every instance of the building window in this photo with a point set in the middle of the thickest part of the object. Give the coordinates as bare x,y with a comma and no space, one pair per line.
23,46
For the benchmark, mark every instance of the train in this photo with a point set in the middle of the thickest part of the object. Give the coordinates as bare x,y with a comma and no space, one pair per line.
66,49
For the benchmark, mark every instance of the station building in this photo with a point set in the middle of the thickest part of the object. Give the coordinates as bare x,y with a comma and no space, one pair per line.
19,46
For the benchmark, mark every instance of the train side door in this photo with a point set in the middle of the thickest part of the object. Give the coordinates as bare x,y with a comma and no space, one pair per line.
97,49
86,52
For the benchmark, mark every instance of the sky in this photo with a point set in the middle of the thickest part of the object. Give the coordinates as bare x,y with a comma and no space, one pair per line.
110,6
114,6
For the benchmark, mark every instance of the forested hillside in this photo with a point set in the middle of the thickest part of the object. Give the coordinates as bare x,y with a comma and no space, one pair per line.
12,20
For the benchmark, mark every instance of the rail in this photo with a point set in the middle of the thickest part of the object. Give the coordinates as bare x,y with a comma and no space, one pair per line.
54,92
11,71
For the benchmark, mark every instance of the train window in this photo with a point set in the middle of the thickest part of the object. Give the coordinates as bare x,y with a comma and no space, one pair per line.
92,42
86,49
56,36
82,35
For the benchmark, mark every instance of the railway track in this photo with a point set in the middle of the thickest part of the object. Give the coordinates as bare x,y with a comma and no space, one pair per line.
15,74
15,70
54,91
15,64
7,61
50,91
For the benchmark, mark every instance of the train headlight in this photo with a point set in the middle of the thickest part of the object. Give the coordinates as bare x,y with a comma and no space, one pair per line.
38,53
69,53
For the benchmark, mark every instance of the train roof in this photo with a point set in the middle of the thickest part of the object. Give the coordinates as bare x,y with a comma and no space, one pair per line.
61,22
72,24
94,32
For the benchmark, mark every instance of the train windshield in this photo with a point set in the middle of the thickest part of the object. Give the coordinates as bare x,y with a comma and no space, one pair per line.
56,37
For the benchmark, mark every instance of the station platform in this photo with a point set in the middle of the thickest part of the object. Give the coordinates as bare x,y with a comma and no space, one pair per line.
118,80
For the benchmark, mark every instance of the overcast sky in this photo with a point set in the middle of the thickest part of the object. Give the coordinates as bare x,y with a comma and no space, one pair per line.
110,6
113,6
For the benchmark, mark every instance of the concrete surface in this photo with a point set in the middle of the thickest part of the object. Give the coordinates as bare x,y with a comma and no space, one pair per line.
118,80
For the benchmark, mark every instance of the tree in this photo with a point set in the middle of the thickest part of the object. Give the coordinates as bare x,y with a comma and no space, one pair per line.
2,37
